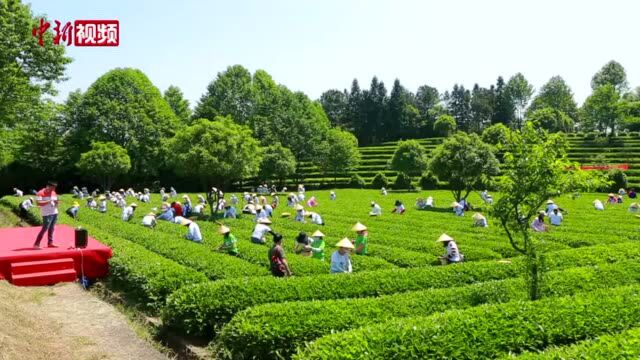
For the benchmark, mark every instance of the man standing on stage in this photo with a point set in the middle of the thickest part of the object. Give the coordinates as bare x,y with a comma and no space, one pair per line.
47,200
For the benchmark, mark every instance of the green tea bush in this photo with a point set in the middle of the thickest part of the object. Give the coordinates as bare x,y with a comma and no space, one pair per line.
379,181
428,181
357,182
402,182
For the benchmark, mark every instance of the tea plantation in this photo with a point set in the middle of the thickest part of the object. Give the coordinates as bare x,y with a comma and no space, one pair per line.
582,149
399,303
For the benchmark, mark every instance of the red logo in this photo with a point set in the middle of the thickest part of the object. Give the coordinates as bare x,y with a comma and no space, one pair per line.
81,33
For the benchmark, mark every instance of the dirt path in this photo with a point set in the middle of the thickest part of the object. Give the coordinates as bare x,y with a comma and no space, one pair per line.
65,322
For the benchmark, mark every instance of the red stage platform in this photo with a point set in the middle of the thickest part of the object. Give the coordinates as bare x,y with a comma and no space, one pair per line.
22,265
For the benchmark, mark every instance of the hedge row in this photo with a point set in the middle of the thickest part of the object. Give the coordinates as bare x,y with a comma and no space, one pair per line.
408,258
625,345
275,330
487,331
146,277
202,309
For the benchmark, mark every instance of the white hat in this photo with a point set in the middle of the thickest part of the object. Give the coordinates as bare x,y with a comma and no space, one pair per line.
455,204
477,216
134,205
185,221
444,237
299,207
358,227
318,233
223,229
549,201
345,243
264,221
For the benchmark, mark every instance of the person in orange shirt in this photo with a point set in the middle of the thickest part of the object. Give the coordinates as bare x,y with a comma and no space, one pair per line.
47,201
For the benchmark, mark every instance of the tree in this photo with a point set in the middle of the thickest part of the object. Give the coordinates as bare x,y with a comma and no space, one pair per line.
338,154
230,94
601,110
180,106
123,106
551,119
496,135
535,168
556,94
630,111
465,162
217,152
409,158
278,163
104,162
483,106
504,108
27,70
395,120
459,106
612,73
336,106
445,125
519,91
426,99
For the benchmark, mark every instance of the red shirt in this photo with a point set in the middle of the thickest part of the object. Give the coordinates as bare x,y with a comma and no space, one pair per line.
178,209
44,198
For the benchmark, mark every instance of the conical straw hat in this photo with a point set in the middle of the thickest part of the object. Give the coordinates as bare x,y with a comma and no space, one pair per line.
477,216
444,237
318,233
223,229
358,227
264,221
549,201
345,243
285,214
455,204
299,207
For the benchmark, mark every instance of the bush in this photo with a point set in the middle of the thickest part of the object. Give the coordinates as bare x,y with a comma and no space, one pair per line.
489,331
403,181
618,179
428,181
266,330
592,135
379,181
496,134
202,309
356,182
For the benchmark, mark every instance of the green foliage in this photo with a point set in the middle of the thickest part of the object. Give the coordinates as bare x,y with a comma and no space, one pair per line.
218,152
105,162
465,162
489,331
124,107
338,154
601,110
335,105
551,120
409,157
519,91
428,181
263,331
496,134
556,94
617,179
180,106
379,181
230,94
27,70
402,182
612,73
357,182
445,125
278,163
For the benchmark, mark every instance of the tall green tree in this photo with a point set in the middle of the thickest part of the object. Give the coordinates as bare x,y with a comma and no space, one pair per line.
336,106
278,163
459,106
217,152
483,103
375,107
504,108
230,94
444,126
551,119
338,154
496,134
556,94
465,162
426,100
601,110
612,73
27,70
519,91
123,106
180,106
104,162
410,158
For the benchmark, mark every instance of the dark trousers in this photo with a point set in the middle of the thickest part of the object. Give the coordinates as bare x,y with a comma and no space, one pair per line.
48,225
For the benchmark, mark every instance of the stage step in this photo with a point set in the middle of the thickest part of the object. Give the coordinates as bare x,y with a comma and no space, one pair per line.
44,278
28,267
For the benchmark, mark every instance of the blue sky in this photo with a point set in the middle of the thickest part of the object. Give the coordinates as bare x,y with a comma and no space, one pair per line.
312,46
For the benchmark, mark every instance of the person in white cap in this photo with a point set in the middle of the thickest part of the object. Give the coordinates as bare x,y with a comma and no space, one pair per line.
362,239
268,208
486,197
458,209
453,254
555,218
17,192
127,213
230,244
25,206
332,195
260,213
538,224
299,213
317,245
429,202
479,220
301,197
633,207
103,204
376,210
149,220
173,193
260,231
550,207
193,231
383,191
598,204
340,260
229,212
315,218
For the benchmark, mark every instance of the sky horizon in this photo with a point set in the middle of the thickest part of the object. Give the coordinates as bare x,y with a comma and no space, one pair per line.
314,47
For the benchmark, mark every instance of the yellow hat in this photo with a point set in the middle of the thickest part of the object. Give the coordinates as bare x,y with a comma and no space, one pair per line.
264,221
75,203
345,243
284,215
358,227
258,207
185,221
611,194
102,197
299,207
634,205
151,214
444,237
185,196
596,200
550,201
477,216
134,205
273,194
223,229
318,233
455,204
